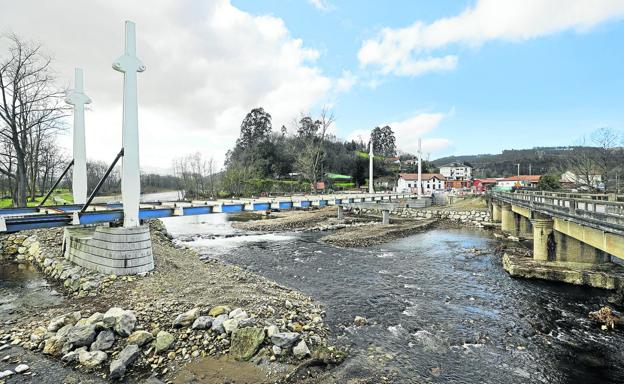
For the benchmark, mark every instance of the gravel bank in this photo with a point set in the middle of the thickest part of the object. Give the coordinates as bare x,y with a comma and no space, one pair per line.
365,236
166,302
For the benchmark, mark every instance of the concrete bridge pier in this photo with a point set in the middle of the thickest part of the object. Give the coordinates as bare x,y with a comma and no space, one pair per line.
570,249
542,232
496,212
508,221
340,212
385,218
525,229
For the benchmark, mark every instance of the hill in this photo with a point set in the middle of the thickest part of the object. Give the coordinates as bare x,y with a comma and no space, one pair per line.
541,160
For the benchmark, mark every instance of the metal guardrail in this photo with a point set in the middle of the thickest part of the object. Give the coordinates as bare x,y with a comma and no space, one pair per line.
598,211
13,220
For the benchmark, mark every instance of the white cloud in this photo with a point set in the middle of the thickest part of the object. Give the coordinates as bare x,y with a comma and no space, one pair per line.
408,131
208,64
407,51
322,5
346,81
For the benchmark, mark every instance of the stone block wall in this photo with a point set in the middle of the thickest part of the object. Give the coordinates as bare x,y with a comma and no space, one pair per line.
477,217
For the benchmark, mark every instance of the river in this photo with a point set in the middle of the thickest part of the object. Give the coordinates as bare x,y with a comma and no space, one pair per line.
439,305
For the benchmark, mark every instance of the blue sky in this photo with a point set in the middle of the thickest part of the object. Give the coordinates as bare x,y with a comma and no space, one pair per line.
544,91
468,77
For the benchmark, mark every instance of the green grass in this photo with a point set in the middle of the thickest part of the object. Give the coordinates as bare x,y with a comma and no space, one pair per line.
61,194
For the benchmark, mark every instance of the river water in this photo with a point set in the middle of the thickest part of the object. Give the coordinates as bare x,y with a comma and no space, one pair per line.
438,311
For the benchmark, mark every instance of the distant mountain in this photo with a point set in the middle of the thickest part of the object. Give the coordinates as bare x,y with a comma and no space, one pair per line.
541,160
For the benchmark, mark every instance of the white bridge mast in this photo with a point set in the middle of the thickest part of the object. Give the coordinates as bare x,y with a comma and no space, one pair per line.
371,188
129,64
78,99
419,168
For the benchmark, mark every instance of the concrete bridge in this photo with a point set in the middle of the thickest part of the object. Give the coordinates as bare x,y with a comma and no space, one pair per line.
564,227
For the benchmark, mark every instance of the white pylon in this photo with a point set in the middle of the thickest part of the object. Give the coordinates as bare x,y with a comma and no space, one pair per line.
78,99
371,189
129,64
419,168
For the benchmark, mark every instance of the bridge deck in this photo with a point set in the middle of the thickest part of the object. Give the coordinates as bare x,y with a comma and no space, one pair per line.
590,210
19,219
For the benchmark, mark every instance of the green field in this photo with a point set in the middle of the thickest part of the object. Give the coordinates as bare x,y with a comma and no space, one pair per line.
65,195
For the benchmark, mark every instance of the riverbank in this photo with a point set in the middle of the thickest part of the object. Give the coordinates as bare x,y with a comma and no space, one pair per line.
186,310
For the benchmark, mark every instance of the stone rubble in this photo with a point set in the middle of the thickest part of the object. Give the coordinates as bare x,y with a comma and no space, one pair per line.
167,332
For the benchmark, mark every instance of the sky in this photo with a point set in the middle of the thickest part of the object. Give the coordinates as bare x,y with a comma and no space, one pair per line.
469,77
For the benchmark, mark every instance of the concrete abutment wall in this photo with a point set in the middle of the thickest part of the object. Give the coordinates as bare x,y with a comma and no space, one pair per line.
110,250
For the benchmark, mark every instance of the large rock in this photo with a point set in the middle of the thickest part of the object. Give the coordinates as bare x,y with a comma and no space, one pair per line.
219,310
126,357
140,338
238,314
81,336
285,339
164,341
54,345
103,341
72,357
64,331
217,323
203,322
187,318
122,321
246,342
38,335
301,350
62,320
92,359
272,330
230,325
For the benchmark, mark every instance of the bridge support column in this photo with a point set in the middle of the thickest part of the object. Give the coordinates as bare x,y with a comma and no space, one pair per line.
385,218
573,250
496,212
542,231
508,221
340,212
525,229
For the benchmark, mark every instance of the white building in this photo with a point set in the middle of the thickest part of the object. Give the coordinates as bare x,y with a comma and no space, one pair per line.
582,181
456,171
430,182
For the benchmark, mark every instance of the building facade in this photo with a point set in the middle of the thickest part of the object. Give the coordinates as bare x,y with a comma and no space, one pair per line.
522,181
430,183
456,171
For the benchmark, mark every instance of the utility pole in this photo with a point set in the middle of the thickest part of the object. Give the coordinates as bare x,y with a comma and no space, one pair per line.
530,170
419,168
370,168
518,169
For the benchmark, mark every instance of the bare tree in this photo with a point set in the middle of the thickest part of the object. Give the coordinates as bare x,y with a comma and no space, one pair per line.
30,108
310,160
196,174
607,140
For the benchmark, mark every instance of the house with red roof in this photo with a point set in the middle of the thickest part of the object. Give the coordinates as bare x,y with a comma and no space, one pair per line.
430,182
521,181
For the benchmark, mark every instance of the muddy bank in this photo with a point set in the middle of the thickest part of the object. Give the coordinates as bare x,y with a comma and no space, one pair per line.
365,236
285,327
